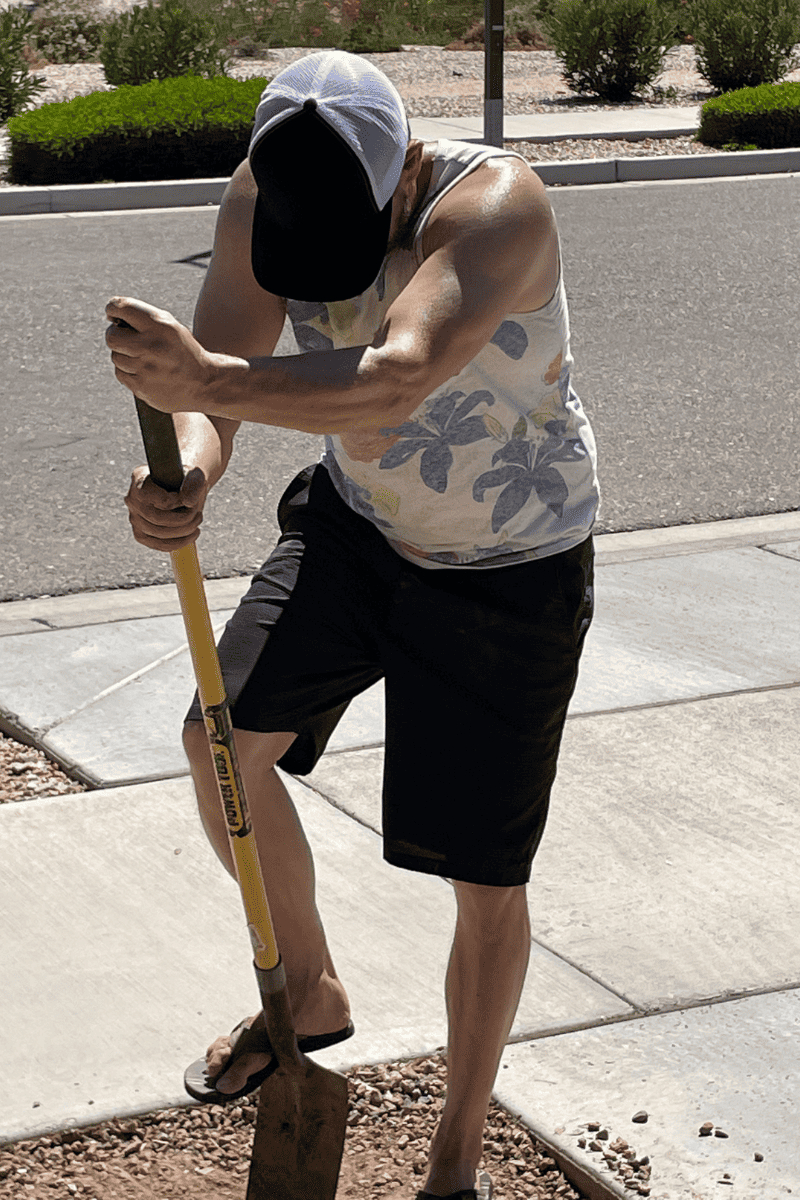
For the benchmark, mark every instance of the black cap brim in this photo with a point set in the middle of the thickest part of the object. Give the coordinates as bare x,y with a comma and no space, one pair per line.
317,232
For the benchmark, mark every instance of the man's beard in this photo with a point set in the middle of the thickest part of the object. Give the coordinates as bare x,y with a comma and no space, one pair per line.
403,238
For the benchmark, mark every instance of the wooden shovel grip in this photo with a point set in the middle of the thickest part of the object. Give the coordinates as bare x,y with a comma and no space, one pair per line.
166,469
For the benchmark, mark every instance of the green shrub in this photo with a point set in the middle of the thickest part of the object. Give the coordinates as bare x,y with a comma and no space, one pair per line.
744,43
253,25
161,41
17,86
610,48
68,31
765,117
185,128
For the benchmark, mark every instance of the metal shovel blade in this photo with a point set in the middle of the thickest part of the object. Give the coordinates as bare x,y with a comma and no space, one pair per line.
299,1136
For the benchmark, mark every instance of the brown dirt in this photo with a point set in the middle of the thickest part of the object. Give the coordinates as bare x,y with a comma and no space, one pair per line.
203,1152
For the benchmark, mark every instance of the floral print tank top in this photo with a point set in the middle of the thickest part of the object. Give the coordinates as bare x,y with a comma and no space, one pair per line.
498,465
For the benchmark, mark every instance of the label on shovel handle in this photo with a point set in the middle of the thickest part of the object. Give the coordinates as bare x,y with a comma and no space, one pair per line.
238,825
236,814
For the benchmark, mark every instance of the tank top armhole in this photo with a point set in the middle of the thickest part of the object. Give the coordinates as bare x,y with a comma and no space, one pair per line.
481,156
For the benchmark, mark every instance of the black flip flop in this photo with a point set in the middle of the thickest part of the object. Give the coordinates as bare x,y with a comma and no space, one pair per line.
252,1039
482,1192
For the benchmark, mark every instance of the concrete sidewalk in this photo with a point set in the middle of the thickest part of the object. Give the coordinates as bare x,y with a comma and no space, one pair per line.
665,969
622,123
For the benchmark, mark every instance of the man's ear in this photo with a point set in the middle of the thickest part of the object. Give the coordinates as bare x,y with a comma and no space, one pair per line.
413,155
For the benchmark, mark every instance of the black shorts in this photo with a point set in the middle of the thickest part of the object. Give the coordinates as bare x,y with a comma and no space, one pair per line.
479,668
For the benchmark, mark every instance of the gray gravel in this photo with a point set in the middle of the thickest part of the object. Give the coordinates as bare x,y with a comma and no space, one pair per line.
203,1152
26,774
435,82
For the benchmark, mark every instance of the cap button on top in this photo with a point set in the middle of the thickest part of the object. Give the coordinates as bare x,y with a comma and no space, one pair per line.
310,103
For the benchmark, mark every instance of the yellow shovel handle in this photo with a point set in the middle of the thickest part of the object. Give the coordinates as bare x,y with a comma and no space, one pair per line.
163,456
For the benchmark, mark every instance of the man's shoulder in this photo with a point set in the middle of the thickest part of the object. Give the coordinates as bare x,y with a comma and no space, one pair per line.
498,189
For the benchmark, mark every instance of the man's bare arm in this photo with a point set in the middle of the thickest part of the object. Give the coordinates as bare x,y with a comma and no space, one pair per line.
232,317
478,272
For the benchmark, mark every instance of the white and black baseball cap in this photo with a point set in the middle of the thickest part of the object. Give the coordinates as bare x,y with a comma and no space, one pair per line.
327,152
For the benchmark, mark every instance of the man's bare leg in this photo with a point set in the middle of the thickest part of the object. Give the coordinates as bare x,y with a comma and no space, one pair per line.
319,1002
485,975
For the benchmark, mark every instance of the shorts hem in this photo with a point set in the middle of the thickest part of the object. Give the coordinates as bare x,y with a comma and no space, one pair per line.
501,876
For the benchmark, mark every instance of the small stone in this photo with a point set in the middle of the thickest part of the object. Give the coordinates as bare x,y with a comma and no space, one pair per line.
595,1146
720,1133
640,1118
603,1135
593,1126
758,1157
582,1144
706,1129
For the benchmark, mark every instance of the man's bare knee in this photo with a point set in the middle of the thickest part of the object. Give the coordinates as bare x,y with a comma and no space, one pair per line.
255,751
481,906
195,742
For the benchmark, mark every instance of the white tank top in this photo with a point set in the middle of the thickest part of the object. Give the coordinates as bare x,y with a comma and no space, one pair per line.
498,465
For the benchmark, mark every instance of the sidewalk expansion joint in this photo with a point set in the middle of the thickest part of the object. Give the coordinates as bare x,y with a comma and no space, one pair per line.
644,1014
361,746
334,804
684,700
134,677
638,1009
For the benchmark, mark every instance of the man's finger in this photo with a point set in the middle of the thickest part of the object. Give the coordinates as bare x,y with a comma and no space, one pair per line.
194,488
165,532
136,313
164,518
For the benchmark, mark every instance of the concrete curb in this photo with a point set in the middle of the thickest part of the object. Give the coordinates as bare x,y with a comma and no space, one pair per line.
125,604
669,167
190,193
107,197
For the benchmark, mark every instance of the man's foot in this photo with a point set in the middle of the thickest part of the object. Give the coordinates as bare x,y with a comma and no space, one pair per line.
238,1063
483,1191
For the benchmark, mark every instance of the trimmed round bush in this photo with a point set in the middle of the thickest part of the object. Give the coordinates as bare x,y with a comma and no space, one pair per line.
767,117
185,128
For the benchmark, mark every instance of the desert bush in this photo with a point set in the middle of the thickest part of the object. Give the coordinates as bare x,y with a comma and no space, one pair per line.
744,43
610,48
252,26
161,41
68,31
17,86
523,30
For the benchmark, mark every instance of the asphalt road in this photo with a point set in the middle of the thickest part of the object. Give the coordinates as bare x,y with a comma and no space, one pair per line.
684,309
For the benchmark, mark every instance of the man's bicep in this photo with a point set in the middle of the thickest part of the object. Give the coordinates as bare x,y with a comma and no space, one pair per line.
459,297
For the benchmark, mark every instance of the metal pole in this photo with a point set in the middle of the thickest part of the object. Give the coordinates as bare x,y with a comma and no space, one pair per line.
494,26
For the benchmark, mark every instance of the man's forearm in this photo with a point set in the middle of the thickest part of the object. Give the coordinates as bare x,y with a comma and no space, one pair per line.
204,443
328,391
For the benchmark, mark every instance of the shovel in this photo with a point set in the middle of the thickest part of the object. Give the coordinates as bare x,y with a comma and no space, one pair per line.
302,1109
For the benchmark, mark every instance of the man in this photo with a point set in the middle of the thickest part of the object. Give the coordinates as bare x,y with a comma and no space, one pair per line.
443,543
